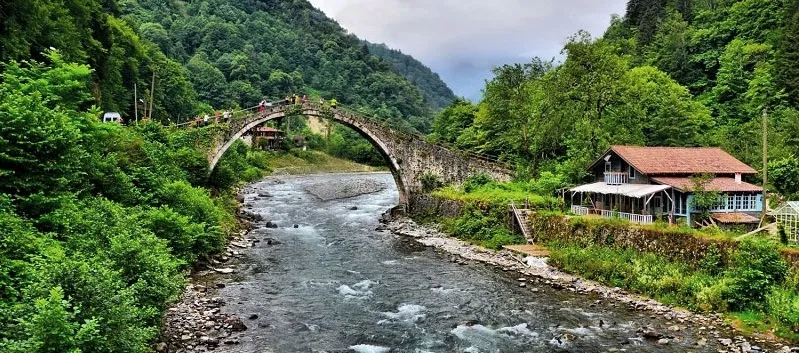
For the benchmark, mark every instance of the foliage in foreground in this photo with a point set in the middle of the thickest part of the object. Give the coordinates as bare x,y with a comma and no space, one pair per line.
485,219
98,222
756,280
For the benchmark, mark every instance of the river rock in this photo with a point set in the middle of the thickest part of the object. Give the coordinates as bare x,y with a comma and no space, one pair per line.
725,341
663,341
225,271
160,347
271,225
296,226
236,324
220,285
253,317
354,208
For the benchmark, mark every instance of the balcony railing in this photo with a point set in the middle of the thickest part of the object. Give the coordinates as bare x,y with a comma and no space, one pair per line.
616,178
632,217
579,210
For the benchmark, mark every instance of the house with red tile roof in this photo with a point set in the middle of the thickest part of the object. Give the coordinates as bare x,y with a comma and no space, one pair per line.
644,184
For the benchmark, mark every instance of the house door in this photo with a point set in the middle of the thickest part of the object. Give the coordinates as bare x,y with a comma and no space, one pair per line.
657,205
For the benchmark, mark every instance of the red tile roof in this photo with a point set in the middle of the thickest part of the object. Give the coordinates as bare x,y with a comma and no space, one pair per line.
717,184
735,217
681,160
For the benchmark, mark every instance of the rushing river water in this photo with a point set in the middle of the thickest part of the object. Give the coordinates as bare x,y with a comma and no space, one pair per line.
335,284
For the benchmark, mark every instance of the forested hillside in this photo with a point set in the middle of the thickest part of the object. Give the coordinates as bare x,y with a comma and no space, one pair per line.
212,55
239,51
435,91
671,73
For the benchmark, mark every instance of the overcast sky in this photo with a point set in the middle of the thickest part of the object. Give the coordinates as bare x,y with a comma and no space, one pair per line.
463,39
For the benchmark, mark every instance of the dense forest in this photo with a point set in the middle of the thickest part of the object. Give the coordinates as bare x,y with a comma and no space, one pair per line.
210,55
435,91
668,73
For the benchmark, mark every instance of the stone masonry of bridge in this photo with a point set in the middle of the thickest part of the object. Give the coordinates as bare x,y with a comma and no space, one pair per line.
409,156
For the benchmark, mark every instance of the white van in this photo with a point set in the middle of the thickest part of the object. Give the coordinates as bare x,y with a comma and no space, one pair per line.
112,117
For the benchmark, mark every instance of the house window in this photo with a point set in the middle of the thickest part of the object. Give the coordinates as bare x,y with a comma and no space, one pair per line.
608,167
632,172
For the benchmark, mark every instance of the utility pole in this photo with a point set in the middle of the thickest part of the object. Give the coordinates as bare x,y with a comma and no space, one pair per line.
135,104
152,91
765,165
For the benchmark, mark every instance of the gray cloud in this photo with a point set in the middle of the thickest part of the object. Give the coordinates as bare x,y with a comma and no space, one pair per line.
463,39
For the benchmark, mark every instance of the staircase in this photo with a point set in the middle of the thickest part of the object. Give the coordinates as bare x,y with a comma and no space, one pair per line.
520,217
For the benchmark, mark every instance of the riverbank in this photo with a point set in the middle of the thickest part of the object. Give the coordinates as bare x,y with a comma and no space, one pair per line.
197,322
297,162
535,269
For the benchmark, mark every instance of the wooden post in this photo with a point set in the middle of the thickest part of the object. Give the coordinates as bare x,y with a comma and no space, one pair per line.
765,166
152,91
135,104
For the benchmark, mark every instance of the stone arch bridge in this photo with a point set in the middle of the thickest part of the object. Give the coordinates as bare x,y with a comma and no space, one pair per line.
409,156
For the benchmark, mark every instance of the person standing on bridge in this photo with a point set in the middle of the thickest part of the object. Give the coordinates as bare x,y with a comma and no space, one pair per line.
262,106
296,99
304,99
226,115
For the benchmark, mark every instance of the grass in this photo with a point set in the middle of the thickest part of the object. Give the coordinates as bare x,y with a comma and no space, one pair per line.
299,162
497,193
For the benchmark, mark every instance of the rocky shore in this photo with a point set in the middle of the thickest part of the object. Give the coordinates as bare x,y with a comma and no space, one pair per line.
195,323
536,270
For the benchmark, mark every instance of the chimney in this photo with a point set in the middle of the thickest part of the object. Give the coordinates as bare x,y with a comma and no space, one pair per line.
738,178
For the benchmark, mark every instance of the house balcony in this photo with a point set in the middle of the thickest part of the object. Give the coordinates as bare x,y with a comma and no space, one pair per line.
632,217
616,178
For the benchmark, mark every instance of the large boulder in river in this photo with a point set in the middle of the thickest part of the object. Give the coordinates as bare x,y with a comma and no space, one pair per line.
271,224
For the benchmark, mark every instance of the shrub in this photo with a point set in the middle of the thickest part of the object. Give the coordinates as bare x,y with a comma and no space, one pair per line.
757,266
475,181
430,182
53,327
548,182
486,227
187,240
783,306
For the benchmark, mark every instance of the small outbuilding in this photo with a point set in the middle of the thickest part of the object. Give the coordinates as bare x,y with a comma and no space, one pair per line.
787,215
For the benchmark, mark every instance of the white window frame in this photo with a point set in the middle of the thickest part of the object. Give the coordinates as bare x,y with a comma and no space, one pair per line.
608,167
632,173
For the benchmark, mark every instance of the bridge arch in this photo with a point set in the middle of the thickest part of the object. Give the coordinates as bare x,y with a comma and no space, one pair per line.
310,110
410,157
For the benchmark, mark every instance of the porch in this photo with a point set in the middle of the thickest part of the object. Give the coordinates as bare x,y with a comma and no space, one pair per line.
632,217
637,203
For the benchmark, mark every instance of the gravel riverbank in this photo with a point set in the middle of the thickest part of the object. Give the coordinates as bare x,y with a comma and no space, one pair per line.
536,269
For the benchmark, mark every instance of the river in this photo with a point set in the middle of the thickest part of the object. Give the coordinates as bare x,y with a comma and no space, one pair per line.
335,284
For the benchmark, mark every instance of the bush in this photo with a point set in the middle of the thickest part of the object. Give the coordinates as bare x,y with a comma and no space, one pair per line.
430,182
486,227
187,240
548,183
475,181
783,306
757,267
